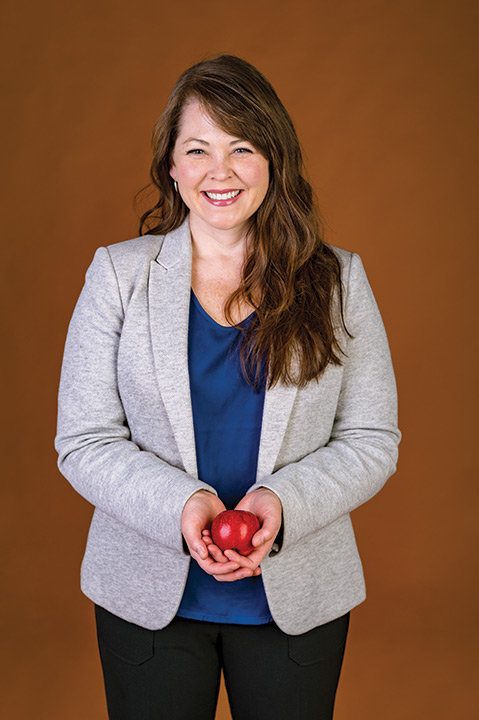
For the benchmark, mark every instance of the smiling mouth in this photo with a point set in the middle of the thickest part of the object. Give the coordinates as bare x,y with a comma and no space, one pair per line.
230,195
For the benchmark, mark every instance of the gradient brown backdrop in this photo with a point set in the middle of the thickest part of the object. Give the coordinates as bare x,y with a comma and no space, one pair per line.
383,95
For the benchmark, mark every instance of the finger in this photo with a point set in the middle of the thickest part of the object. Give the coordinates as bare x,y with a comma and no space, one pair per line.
193,539
243,572
199,549
214,568
218,555
261,537
254,559
267,532
258,555
239,574
243,560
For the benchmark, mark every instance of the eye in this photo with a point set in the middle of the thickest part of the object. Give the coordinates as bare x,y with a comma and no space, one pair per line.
195,151
243,150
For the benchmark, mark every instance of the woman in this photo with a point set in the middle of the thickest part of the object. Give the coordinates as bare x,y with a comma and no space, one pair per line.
228,358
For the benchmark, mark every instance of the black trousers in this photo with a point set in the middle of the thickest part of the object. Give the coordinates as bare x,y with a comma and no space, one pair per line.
174,673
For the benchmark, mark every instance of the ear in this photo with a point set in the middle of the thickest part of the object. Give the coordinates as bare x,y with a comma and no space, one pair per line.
173,171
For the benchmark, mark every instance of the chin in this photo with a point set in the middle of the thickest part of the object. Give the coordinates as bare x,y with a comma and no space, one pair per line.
226,223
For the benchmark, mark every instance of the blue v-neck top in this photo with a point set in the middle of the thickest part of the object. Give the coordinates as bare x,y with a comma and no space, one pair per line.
227,417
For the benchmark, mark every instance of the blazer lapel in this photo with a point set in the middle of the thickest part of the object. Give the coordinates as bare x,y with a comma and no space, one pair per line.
169,302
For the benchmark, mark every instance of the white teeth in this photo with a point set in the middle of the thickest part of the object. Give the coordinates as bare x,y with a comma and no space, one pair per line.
223,196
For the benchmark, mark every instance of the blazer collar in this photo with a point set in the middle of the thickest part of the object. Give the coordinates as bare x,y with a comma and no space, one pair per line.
176,247
169,304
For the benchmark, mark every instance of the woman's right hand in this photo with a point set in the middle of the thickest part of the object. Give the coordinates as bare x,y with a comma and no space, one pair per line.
198,513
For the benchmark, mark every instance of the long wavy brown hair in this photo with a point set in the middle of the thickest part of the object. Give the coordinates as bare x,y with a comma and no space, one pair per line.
291,277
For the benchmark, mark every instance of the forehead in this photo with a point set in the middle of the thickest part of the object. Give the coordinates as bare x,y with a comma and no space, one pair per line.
195,122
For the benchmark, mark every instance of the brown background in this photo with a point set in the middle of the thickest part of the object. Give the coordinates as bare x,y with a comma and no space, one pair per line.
384,98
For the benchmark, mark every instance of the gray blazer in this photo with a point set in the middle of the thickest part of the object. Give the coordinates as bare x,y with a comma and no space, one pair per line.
126,441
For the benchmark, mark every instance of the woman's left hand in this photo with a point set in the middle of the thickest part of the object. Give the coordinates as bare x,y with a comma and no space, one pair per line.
267,507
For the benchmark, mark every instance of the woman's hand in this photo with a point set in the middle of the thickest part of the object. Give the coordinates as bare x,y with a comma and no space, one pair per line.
198,513
266,505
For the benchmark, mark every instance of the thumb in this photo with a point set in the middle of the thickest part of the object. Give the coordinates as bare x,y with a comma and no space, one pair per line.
196,545
201,550
268,530
192,535
262,536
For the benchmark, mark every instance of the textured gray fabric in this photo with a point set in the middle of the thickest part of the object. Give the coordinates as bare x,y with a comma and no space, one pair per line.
126,442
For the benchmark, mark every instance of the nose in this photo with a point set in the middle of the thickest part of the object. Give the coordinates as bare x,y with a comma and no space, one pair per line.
220,168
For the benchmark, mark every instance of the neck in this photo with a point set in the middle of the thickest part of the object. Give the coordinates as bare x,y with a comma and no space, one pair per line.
215,244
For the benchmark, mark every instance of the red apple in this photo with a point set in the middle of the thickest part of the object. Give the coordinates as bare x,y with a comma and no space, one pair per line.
234,529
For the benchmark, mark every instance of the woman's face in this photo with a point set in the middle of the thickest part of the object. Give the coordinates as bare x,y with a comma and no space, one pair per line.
222,179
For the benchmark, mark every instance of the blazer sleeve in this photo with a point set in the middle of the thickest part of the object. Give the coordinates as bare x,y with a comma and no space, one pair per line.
96,453
362,450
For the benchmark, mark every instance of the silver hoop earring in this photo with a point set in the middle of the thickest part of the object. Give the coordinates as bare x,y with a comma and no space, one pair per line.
175,185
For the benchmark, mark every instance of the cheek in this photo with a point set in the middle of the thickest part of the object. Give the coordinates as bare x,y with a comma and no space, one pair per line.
188,173
260,177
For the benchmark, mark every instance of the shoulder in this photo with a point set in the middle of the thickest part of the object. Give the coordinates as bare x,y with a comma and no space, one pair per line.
117,269
351,265
131,255
345,257
123,265
357,293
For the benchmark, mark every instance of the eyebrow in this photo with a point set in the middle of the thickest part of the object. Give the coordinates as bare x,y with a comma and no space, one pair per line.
204,142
